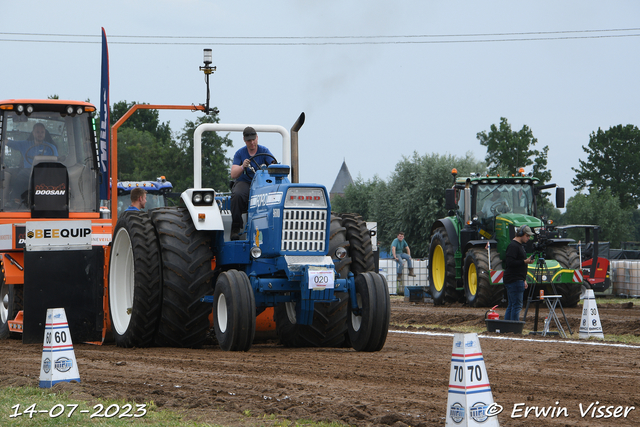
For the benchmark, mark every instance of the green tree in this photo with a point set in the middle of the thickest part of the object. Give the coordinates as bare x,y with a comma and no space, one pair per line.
142,120
507,151
215,164
410,201
359,197
601,208
613,162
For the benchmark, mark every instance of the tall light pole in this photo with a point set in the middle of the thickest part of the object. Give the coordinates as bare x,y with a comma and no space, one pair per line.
208,70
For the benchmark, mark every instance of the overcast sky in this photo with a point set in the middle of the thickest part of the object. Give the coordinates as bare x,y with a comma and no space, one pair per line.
377,80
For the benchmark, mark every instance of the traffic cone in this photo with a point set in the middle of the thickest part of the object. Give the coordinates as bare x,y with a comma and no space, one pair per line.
58,358
590,325
469,389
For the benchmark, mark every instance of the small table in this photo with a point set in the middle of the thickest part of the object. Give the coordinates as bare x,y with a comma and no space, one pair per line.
552,301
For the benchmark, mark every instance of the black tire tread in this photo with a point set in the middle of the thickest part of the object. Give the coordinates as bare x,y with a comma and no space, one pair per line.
147,297
327,330
567,257
487,294
360,248
186,278
448,293
242,315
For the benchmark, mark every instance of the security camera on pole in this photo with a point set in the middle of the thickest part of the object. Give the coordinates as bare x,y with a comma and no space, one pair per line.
469,389
58,358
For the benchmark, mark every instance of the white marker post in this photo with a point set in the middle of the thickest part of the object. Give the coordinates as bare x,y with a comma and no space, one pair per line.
590,325
58,358
469,389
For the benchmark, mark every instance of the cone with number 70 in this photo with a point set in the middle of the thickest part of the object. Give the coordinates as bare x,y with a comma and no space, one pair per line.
58,358
469,390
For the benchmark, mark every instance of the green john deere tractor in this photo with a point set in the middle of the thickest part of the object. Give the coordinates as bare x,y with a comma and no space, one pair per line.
468,247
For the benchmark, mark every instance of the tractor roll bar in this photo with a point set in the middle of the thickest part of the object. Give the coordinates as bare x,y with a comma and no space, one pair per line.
215,127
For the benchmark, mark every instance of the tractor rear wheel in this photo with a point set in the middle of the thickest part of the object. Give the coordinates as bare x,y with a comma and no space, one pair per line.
10,303
186,278
568,258
360,248
369,326
478,290
327,330
234,311
442,268
338,239
135,287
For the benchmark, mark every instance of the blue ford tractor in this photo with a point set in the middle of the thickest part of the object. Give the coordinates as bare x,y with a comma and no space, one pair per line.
315,268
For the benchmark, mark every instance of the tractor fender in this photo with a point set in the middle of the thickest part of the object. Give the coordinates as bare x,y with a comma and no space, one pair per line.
479,243
450,228
552,242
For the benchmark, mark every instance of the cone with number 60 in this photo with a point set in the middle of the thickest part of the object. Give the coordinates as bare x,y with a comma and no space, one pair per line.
58,358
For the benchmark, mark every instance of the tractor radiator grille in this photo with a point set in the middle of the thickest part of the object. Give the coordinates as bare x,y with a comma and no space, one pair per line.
304,230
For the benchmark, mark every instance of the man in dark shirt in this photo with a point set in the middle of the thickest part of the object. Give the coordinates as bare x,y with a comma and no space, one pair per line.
515,272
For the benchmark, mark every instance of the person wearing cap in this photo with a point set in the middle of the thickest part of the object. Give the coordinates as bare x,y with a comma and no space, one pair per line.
515,272
240,189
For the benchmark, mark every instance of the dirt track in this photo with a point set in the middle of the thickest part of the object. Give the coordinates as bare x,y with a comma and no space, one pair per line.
405,383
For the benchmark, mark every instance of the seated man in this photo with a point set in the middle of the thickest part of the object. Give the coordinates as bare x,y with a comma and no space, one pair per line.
240,190
39,143
492,205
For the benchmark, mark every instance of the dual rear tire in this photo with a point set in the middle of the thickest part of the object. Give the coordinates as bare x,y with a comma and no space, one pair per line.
154,295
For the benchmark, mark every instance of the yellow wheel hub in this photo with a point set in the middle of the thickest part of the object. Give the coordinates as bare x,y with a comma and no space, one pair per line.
472,279
438,267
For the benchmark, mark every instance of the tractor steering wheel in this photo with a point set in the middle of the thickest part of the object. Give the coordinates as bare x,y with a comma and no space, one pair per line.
500,207
37,150
253,160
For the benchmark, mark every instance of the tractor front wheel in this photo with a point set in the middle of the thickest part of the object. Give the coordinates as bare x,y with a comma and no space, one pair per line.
135,289
234,311
442,266
479,292
369,325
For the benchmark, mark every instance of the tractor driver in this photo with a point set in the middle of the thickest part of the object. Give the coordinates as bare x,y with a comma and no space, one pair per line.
39,143
491,205
240,189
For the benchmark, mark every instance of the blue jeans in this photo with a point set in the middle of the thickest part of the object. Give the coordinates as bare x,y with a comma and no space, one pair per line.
401,264
515,293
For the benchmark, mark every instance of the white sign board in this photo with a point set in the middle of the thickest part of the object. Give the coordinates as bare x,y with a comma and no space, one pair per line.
58,235
321,278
